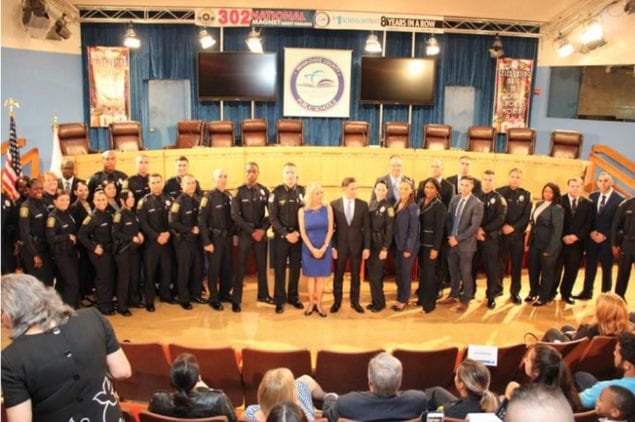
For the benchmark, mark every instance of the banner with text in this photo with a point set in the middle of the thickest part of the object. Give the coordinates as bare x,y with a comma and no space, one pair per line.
109,85
512,94
327,19
317,82
289,18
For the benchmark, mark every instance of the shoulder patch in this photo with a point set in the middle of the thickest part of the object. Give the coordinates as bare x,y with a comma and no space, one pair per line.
117,217
124,184
503,201
391,212
87,220
50,222
175,207
140,204
203,202
272,197
24,212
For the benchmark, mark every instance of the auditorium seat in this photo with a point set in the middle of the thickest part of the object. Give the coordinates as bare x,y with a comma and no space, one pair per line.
126,136
147,416
128,416
189,133
437,137
74,139
253,133
257,362
342,372
520,141
566,144
290,132
355,133
423,369
150,371
481,139
575,354
220,133
509,362
219,369
565,348
397,135
598,358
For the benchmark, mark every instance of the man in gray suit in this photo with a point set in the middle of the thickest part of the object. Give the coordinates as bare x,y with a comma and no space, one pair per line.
465,215
392,180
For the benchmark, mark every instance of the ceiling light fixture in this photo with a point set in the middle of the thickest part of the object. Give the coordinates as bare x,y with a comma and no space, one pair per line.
564,47
372,44
432,47
496,50
131,40
254,41
592,35
206,39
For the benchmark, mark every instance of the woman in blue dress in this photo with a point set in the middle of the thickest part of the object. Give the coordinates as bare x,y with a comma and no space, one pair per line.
316,229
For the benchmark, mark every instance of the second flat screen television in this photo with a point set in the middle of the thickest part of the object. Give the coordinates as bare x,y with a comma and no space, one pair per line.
237,76
397,80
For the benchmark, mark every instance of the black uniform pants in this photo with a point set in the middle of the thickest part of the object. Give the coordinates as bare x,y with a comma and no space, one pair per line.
625,265
542,272
219,268
245,245
375,267
86,272
68,273
189,271
512,245
157,259
488,257
598,252
568,266
43,273
104,279
127,279
292,251
354,260
429,281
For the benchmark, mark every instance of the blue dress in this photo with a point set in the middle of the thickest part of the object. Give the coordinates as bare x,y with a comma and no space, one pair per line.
316,223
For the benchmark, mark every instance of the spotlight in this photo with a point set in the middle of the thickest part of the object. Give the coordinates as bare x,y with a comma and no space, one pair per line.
592,36
131,40
564,47
372,44
254,41
496,50
206,39
61,29
432,47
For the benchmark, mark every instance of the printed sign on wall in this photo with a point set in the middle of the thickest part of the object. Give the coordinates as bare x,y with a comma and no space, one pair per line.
513,93
109,85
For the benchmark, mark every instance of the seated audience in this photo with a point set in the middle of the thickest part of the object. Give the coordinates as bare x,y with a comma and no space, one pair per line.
39,381
279,386
538,403
615,404
193,398
383,402
611,319
544,365
286,412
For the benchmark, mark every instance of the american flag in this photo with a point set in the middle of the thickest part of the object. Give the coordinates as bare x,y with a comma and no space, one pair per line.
13,167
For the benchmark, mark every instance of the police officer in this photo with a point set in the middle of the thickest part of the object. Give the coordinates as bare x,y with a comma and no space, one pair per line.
488,235
173,184
249,212
152,210
61,234
138,184
623,243
49,185
9,234
285,201
513,232
382,217
35,253
109,172
217,230
95,234
126,239
183,221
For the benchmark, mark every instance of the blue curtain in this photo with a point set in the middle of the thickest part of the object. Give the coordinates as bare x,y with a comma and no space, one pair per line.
168,51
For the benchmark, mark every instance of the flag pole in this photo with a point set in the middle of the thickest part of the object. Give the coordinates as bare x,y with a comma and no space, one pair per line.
56,153
11,103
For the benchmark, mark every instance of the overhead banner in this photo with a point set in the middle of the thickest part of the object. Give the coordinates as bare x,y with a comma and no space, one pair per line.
512,94
109,85
317,82
328,19
288,18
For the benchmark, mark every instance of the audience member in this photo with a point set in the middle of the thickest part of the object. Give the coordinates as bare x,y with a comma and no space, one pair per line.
392,180
382,218
615,404
286,412
538,403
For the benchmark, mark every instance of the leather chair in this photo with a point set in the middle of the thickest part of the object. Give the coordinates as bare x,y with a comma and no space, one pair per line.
566,144
355,133
189,133
253,133
126,136
74,139
520,141
397,135
437,137
220,133
481,138
290,132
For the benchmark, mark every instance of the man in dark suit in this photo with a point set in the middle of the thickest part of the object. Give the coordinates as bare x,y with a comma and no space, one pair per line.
598,244
578,216
392,180
351,241
68,181
464,219
384,401
465,163
623,243
447,189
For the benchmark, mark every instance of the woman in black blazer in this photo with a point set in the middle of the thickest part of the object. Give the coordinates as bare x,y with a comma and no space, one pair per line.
547,221
405,242
431,220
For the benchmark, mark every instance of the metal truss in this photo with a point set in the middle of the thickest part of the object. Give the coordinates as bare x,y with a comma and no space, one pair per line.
485,27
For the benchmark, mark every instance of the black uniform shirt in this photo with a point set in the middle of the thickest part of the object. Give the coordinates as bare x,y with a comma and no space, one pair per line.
214,216
138,185
518,207
183,216
101,176
382,218
33,214
125,226
59,226
96,230
494,211
284,203
153,215
249,208
173,187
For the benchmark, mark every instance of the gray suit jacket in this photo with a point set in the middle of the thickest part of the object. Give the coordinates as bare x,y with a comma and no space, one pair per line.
471,219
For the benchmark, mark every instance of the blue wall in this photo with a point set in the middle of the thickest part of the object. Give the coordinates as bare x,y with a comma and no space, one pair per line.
45,84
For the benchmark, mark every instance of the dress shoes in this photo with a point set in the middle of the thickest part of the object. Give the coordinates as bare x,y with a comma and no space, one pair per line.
138,305
169,301
499,293
296,304
568,299
376,309
448,301
279,309
398,308
320,312
491,303
108,312
370,306
150,307
125,313
198,299
583,296
539,303
357,308
335,307
217,306
268,300
186,305
309,311
236,307
462,307
531,298
515,299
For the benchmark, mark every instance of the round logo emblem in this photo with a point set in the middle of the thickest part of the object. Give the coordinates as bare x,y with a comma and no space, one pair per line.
321,20
317,84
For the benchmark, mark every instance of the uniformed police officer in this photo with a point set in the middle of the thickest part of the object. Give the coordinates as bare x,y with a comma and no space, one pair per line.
138,184
35,253
152,210
488,235
61,234
382,217
109,172
173,184
217,231
183,221
249,212
49,186
623,243
513,232
285,201
95,234
9,234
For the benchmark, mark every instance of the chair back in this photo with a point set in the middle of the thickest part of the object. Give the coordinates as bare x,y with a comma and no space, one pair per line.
507,369
220,133
73,138
589,416
128,416
126,136
566,144
150,371
189,133
598,358
573,355
147,416
520,141
290,132
397,135
437,137
427,368
355,133
253,133
481,138
342,372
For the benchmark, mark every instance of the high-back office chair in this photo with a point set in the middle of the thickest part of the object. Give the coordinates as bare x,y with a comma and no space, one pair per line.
520,141
481,138
437,137
126,136
74,138
355,133
189,133
220,133
566,144
290,132
253,133
397,135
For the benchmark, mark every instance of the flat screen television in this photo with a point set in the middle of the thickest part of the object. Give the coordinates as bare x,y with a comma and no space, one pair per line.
397,80
237,76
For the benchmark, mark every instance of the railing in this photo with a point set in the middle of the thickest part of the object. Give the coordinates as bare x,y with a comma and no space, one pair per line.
605,158
30,158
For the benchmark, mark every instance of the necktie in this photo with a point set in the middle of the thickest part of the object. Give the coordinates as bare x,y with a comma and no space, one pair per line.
574,205
349,212
457,217
67,186
395,189
602,202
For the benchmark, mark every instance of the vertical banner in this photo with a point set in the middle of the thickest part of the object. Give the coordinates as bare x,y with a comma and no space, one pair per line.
317,82
109,85
513,93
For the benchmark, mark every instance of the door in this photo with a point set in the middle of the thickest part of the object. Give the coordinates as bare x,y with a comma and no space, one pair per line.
168,101
459,112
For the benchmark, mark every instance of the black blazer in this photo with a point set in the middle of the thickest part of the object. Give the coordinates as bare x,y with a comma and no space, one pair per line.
205,403
353,238
454,181
406,229
604,219
446,192
546,231
367,406
580,223
76,180
432,224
